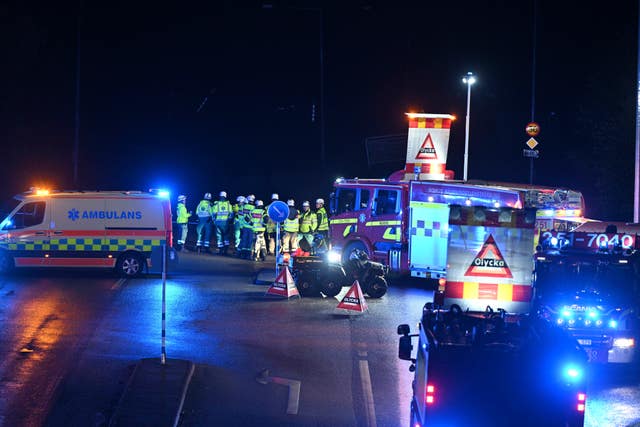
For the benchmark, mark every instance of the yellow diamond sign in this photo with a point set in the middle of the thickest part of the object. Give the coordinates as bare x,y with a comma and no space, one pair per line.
532,143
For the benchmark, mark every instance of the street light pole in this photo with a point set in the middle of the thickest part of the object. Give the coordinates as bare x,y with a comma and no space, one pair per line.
469,79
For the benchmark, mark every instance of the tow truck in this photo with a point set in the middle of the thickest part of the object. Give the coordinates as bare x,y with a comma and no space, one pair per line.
493,368
592,291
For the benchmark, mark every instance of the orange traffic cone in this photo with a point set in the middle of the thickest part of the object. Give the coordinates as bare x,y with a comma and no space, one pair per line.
284,285
353,302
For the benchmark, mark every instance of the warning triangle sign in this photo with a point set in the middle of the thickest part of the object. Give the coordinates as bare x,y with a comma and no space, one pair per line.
284,285
353,300
489,261
427,151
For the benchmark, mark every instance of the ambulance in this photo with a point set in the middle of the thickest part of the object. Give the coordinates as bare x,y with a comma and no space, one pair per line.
121,230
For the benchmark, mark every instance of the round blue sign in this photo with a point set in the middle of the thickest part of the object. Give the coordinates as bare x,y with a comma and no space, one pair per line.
278,211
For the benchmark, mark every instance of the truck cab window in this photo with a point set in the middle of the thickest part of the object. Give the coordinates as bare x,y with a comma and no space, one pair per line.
346,200
29,215
386,202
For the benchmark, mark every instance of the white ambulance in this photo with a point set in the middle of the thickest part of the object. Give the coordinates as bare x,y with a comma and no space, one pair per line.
121,230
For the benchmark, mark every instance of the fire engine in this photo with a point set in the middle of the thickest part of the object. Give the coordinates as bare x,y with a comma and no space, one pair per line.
420,222
493,369
589,284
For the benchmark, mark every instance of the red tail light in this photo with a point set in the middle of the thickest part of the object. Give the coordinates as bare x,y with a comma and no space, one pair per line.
431,394
582,400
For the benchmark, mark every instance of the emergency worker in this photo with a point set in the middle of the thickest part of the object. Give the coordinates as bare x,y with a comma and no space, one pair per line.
204,223
291,227
237,225
221,214
246,228
271,228
182,219
258,217
323,221
308,224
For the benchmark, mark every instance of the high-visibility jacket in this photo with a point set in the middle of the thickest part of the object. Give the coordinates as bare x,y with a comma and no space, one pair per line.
323,219
257,220
182,214
221,211
236,212
204,209
308,222
245,215
291,224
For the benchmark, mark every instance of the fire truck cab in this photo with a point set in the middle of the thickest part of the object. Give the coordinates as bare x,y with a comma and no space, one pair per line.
493,369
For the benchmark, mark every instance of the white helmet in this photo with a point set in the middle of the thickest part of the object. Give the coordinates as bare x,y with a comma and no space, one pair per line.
251,198
259,203
241,199
291,202
319,201
223,194
305,204
275,196
182,198
207,196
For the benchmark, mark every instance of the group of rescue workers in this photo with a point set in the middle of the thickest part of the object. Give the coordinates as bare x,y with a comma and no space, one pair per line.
246,225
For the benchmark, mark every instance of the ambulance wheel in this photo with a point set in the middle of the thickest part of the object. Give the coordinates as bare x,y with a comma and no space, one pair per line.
351,247
6,263
307,285
331,287
377,287
130,264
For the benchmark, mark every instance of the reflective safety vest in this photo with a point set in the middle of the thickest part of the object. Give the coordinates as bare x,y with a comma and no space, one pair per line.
236,212
323,219
245,216
204,209
221,211
182,214
257,220
308,222
291,224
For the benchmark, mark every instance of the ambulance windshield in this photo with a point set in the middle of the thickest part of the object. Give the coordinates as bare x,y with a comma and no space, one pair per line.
6,208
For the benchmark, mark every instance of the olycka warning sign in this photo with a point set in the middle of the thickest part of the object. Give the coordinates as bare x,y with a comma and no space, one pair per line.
353,301
427,151
489,262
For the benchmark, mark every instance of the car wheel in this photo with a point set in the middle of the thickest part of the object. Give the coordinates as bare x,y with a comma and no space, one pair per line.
377,287
129,265
350,248
307,285
7,263
331,287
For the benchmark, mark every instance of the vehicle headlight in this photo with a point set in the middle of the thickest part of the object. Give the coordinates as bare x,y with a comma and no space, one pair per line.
334,256
613,324
624,342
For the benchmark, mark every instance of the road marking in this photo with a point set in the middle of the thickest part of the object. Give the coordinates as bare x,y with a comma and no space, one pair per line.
365,378
294,389
118,284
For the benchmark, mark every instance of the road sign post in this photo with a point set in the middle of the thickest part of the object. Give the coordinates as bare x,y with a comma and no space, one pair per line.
278,211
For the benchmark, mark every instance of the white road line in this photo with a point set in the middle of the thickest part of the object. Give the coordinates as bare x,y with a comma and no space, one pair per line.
365,378
118,284
294,392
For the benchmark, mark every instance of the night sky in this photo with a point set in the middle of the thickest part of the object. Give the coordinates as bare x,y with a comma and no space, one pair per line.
219,95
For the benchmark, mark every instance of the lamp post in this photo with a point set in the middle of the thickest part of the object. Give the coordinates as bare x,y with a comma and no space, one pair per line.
469,79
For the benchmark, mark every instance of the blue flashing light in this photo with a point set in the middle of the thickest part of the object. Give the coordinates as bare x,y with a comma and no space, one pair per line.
560,321
613,324
164,194
572,373
566,313
593,314
554,241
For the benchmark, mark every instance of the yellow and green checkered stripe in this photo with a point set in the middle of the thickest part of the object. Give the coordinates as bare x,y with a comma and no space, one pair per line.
82,244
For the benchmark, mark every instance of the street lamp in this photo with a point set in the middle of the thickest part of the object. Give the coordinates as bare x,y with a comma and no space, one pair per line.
469,79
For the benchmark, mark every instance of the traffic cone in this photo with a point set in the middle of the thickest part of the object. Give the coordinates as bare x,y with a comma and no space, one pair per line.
353,302
284,285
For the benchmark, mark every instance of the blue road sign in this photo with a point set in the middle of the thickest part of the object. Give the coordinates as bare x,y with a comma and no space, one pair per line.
278,211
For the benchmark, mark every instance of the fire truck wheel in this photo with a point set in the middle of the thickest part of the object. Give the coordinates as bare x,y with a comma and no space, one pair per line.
307,285
6,263
331,287
350,248
130,264
377,287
